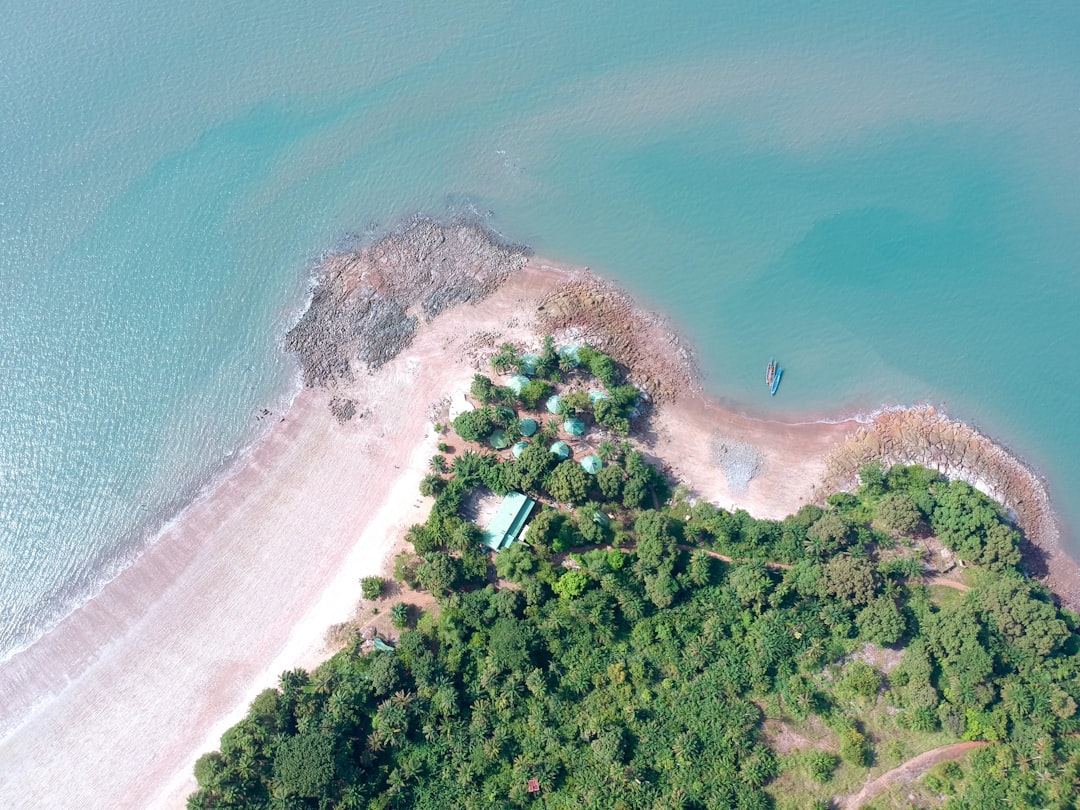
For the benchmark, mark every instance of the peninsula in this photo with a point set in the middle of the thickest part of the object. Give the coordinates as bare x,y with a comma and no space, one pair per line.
247,582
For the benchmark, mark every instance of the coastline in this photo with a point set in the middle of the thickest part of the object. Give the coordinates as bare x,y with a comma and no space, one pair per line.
246,584
242,587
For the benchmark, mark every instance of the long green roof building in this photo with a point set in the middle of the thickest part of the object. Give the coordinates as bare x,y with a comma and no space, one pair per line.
508,522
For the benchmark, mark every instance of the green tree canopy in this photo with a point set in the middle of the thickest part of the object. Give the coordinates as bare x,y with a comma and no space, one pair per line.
881,622
898,513
304,764
964,519
567,483
516,562
829,533
1029,623
751,584
849,579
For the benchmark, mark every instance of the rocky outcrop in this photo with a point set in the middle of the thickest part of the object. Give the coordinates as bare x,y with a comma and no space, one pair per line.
367,304
924,436
595,312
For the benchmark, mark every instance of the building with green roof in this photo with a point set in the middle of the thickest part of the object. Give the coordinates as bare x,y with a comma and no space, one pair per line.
554,402
529,363
508,522
517,382
596,396
518,449
528,426
561,449
592,464
569,354
574,426
498,440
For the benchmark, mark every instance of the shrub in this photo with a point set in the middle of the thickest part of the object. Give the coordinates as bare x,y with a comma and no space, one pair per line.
399,615
372,587
405,565
862,679
820,765
855,748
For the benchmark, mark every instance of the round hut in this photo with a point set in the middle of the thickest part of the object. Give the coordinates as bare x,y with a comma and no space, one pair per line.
517,382
529,364
574,426
592,464
560,449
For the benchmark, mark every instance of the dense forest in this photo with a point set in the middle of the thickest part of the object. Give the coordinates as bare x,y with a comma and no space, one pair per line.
640,649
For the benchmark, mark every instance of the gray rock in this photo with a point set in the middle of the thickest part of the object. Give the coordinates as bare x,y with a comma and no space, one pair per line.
367,303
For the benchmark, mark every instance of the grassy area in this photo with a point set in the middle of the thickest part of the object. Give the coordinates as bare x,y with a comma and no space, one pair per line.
799,740
945,598
926,792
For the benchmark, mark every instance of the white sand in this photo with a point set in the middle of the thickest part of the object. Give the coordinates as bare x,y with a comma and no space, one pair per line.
135,685
792,455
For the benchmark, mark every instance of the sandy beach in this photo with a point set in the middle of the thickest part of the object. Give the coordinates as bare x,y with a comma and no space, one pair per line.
112,708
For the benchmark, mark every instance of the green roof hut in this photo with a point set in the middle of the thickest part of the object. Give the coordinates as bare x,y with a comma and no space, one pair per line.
517,382
518,449
498,440
561,449
508,522
554,403
591,464
569,354
528,426
529,364
573,426
596,396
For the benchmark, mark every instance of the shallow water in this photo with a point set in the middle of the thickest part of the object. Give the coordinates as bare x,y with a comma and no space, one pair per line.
883,199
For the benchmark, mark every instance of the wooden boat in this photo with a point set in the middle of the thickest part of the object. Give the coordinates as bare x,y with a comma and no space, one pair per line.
776,380
770,373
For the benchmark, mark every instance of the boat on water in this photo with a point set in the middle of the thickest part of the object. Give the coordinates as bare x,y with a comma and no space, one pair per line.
770,373
776,380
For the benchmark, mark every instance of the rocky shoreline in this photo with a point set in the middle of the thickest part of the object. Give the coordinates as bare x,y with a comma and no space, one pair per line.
367,304
925,436
593,310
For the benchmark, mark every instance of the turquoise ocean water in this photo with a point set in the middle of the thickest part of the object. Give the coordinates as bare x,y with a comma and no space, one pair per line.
884,198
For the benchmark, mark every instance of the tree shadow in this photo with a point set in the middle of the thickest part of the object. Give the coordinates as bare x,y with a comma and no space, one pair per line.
1034,560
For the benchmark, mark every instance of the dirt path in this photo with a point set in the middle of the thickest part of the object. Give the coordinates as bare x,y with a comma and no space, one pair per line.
561,557
907,772
944,582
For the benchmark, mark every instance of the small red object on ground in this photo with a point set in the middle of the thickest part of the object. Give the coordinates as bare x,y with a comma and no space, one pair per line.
534,786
